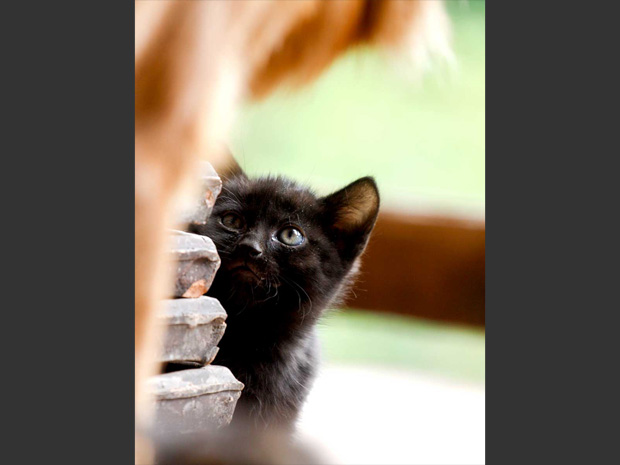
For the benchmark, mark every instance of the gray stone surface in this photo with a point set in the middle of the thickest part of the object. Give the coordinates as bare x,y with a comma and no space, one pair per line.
193,400
197,261
193,329
210,188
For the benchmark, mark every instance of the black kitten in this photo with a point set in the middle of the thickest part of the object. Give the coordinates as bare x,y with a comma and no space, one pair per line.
286,256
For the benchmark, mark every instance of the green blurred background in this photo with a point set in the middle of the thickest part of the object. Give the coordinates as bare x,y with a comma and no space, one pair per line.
423,140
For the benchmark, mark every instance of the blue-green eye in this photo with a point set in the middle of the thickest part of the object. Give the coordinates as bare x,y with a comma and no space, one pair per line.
291,236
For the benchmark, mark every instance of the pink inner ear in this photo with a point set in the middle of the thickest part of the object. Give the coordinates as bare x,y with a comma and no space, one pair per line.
350,218
354,216
355,206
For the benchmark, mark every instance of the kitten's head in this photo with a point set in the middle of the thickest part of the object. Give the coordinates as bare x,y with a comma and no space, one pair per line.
281,244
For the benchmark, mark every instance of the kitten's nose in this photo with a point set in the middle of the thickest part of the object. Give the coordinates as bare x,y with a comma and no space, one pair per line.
252,247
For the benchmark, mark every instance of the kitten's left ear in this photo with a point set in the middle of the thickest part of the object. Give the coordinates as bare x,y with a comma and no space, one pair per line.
351,214
230,168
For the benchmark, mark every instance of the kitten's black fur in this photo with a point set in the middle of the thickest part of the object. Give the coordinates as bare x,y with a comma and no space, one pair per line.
274,293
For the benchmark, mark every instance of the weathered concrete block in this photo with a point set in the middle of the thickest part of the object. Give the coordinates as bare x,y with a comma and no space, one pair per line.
190,401
197,262
210,188
194,327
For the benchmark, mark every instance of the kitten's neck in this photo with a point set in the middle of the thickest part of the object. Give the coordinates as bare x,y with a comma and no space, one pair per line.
269,327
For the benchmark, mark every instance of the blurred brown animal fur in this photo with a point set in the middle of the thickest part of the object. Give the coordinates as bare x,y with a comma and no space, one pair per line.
194,62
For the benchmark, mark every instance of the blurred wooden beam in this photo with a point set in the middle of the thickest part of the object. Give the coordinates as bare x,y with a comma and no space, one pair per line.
429,267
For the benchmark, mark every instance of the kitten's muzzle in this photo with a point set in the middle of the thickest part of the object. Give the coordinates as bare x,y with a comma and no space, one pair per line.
247,272
250,247
247,269
249,262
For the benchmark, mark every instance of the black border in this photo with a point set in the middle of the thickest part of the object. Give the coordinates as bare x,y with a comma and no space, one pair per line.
69,180
548,355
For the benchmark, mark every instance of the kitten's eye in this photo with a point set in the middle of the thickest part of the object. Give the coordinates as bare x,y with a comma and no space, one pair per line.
232,221
291,236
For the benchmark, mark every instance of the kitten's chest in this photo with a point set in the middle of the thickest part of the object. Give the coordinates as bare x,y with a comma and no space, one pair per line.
272,367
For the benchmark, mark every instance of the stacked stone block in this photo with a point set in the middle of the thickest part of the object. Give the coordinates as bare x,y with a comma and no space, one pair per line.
194,395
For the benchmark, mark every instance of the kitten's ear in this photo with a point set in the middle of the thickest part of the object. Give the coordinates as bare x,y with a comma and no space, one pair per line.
351,213
230,169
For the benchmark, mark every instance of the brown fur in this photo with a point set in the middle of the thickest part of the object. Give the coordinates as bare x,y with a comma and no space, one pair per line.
194,61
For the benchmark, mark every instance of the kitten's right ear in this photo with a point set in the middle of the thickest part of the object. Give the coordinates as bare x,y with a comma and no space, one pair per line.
351,214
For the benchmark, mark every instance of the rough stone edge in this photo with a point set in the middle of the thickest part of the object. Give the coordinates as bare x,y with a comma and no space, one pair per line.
193,383
204,248
191,315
